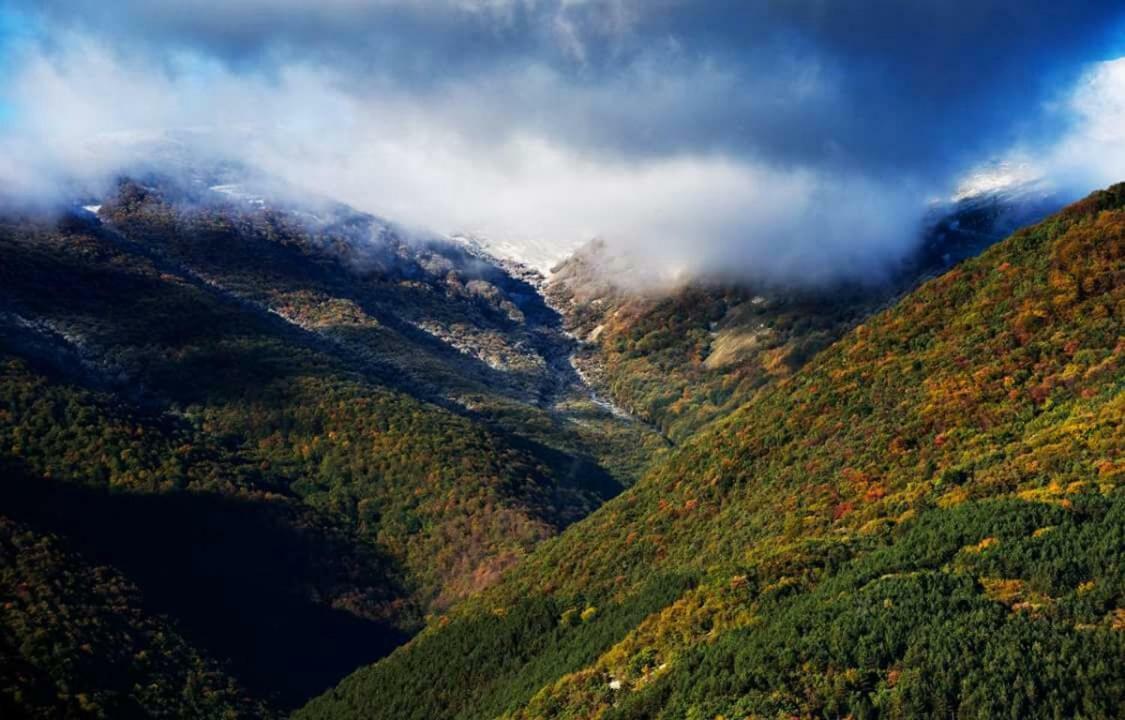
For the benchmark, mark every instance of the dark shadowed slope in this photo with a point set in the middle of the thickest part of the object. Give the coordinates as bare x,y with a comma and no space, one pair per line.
76,640
240,577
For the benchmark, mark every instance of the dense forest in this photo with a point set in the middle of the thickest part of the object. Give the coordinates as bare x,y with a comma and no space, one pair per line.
925,520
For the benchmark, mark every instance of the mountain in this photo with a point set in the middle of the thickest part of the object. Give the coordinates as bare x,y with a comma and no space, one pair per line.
681,355
293,429
925,519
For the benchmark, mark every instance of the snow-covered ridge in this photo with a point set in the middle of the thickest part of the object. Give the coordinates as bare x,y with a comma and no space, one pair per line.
997,177
539,255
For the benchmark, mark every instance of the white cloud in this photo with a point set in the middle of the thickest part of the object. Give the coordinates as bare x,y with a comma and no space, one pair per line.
1092,153
1089,155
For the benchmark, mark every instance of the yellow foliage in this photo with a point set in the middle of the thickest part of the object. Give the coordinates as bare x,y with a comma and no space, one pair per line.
956,496
982,545
1117,619
1003,590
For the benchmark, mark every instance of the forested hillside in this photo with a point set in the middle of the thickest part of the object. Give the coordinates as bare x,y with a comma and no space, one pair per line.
682,354
295,435
925,520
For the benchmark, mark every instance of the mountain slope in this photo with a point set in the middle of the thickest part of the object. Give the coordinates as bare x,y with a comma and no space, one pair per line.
925,520
296,436
683,355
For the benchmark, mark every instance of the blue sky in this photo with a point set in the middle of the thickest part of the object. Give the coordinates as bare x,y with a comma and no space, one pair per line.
554,115
13,29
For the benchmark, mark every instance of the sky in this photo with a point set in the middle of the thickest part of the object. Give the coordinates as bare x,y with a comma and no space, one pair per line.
802,140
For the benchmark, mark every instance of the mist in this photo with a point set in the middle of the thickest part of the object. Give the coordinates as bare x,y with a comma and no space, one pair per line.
718,140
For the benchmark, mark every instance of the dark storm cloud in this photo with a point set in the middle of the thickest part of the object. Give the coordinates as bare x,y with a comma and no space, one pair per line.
917,86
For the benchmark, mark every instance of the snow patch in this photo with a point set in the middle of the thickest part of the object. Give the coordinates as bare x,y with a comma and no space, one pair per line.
238,192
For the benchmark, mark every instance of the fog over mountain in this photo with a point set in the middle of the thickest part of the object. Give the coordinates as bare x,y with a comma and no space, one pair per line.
798,141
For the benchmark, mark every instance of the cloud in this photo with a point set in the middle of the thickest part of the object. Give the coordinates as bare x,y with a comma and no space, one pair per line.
1088,153
802,81
1092,152
794,140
